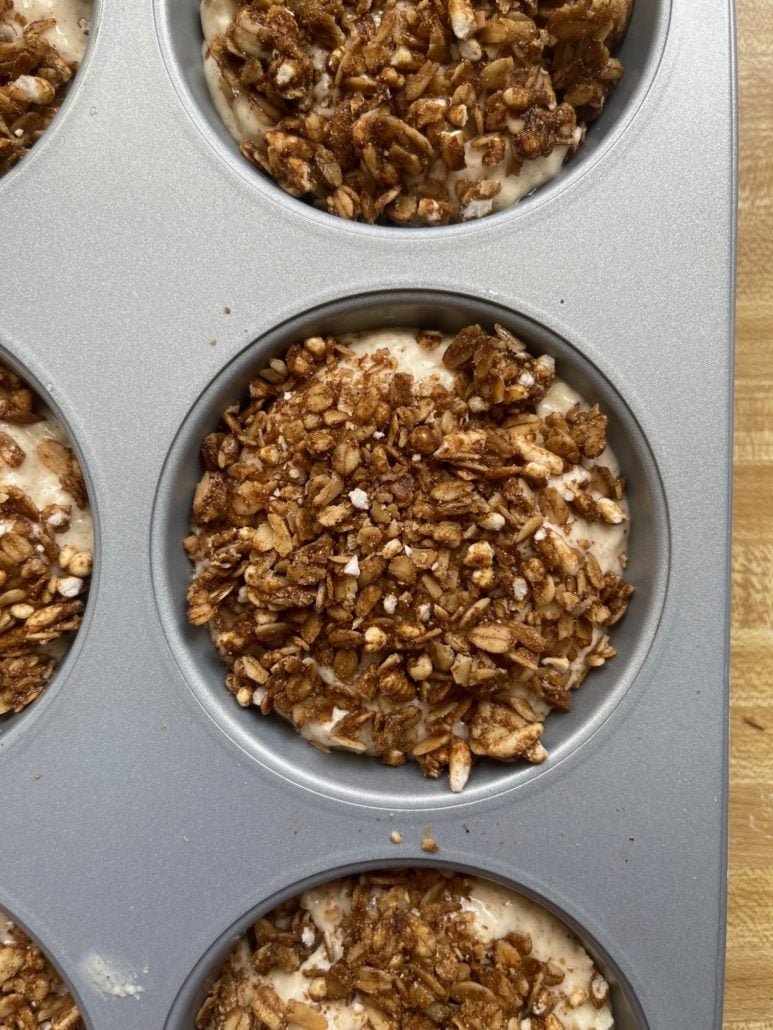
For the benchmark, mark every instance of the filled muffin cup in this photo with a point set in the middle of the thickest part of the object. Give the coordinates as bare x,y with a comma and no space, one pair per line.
42,45
412,115
387,946
401,683
47,544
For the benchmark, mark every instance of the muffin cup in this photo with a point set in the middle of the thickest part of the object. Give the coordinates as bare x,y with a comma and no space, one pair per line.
12,724
274,743
147,269
625,1006
180,38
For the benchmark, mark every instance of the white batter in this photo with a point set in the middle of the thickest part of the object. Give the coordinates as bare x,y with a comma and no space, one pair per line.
42,485
70,34
498,911
535,172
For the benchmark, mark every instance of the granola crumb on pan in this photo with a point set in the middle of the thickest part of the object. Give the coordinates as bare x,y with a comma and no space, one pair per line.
46,544
41,45
411,113
428,843
422,948
32,993
417,566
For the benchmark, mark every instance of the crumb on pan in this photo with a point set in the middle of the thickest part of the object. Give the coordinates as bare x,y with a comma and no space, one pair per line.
400,567
428,843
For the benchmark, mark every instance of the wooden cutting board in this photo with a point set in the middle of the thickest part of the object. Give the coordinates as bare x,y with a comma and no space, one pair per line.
749,981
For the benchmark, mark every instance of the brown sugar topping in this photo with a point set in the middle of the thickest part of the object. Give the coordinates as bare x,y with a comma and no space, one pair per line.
387,557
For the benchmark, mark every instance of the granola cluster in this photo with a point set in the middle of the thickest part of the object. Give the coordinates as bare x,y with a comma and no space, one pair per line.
414,113
403,949
33,81
42,580
396,562
32,994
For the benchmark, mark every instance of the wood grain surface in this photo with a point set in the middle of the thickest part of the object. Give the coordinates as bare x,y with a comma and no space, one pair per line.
749,979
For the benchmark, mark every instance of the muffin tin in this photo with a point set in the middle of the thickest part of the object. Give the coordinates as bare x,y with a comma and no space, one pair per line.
147,818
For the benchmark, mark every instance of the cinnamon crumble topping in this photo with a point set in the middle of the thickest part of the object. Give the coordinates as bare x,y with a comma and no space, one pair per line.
410,566
32,993
421,948
412,113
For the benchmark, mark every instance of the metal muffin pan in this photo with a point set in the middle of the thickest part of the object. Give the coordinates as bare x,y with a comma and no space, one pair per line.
163,818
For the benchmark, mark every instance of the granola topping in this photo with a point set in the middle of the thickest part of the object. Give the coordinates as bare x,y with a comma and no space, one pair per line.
411,113
46,544
32,993
420,948
41,45
411,546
